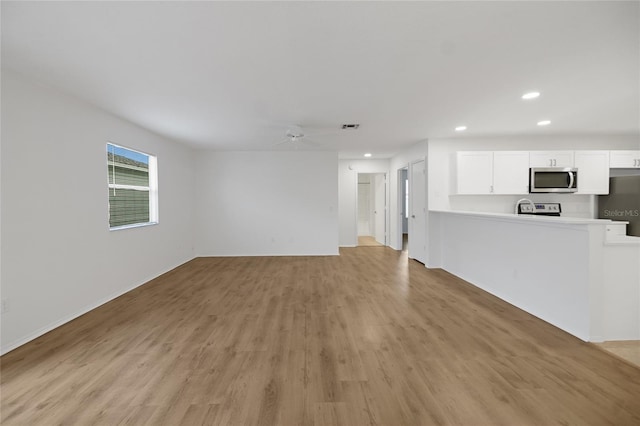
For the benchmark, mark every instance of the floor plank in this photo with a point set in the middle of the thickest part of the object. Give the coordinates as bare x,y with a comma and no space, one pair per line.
365,338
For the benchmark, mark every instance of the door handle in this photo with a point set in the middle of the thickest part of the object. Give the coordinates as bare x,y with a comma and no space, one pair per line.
413,216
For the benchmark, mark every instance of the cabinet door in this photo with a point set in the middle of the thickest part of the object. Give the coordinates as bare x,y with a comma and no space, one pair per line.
593,172
511,172
474,172
551,159
624,159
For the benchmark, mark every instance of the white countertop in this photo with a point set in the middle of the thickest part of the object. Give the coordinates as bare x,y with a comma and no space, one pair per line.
612,239
534,218
622,240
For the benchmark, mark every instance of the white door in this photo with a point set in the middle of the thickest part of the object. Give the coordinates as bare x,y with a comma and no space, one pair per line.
364,208
380,220
417,210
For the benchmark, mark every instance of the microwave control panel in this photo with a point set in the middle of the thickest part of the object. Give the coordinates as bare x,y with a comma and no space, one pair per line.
546,209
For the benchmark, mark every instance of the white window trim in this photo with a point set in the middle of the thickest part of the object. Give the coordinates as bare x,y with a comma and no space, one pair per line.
133,225
152,188
134,187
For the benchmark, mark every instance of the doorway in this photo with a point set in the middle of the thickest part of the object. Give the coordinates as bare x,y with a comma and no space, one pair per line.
403,206
372,209
417,241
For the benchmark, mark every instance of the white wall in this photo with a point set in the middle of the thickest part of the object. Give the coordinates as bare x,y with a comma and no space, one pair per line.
266,203
441,170
621,291
347,195
59,259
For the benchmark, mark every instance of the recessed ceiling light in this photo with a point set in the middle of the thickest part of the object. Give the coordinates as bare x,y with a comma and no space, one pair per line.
461,128
368,154
531,95
544,122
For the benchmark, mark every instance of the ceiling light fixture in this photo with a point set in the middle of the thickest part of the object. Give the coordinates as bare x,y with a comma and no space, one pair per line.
461,128
544,122
530,95
368,154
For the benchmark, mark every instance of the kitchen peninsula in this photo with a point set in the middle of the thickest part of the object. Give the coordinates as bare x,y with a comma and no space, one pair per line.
580,275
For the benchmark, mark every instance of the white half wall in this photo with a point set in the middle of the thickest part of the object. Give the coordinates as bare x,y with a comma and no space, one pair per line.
59,259
621,291
552,271
281,203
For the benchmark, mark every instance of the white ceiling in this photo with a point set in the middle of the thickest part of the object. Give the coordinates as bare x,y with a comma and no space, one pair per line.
232,75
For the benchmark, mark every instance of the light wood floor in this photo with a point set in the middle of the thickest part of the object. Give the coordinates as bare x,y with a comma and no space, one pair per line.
365,338
368,241
625,349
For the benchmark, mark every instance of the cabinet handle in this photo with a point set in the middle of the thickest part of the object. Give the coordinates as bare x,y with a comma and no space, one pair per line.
550,163
491,189
554,162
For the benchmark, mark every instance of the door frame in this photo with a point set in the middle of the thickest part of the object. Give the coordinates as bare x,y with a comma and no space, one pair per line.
400,203
387,215
426,206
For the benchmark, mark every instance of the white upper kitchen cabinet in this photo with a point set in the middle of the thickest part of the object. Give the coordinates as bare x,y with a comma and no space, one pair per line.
474,172
624,159
511,172
593,172
551,159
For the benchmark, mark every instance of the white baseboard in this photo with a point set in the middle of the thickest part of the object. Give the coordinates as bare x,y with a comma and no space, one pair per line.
47,328
336,253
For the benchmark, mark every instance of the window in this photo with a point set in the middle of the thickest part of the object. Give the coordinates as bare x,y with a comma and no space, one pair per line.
133,187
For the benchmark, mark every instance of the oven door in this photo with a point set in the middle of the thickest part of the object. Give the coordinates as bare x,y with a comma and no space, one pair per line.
553,179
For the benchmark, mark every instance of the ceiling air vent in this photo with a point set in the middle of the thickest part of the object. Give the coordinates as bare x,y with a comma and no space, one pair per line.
350,126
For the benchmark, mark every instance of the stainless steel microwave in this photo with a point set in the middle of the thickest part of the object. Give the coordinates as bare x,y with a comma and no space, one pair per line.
553,179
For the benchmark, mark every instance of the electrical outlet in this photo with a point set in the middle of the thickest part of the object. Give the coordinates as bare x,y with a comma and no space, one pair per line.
4,306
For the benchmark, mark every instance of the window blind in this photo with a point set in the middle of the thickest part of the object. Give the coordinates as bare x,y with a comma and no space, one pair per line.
129,190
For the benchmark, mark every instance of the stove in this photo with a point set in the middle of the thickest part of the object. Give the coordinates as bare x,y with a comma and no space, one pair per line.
540,209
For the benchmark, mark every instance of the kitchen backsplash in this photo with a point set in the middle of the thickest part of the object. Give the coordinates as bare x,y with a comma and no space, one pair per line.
582,206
